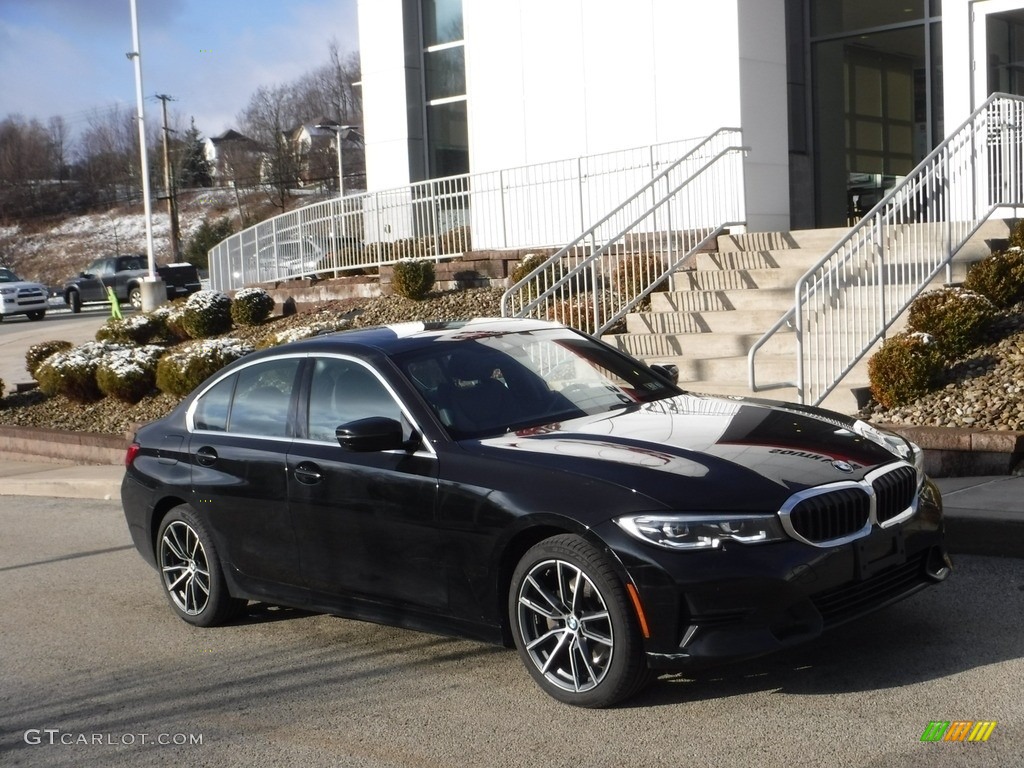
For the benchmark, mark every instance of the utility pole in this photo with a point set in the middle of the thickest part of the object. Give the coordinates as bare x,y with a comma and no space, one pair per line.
172,208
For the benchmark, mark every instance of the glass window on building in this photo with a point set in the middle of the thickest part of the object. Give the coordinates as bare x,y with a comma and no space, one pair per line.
1005,32
876,99
444,67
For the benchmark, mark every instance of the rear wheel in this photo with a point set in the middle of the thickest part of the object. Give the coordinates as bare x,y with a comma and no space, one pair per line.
74,301
573,624
191,571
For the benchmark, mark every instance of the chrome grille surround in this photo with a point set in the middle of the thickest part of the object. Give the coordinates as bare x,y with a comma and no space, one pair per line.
838,513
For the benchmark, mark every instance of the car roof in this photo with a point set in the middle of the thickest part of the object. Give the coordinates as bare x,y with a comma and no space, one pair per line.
403,337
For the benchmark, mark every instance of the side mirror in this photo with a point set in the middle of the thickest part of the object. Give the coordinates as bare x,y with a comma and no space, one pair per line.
373,434
668,371
87,275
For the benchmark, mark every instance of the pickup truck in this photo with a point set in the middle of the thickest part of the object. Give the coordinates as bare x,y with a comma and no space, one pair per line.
125,275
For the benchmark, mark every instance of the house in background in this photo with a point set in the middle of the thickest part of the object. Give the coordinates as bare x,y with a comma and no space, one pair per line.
837,99
233,158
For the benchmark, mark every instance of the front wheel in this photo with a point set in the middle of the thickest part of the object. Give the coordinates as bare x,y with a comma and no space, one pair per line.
191,571
74,301
135,297
37,315
573,625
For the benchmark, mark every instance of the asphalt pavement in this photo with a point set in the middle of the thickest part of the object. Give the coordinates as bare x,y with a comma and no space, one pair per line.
984,515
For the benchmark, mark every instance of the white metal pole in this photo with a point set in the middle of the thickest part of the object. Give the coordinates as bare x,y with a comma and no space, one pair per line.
136,56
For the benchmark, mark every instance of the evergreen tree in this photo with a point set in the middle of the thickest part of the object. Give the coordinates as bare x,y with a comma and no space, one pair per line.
195,170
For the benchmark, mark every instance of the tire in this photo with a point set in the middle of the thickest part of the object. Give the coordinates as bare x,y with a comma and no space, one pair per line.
37,315
582,646
190,571
135,297
74,301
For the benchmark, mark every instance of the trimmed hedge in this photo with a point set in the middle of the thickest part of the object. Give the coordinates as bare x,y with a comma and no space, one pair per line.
413,278
37,353
907,366
72,373
184,369
956,317
129,374
251,306
206,314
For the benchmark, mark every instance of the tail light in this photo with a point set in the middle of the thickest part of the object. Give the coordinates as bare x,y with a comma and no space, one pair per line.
133,451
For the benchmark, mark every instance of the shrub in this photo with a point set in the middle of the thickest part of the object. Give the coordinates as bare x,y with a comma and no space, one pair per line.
413,278
529,263
167,319
128,374
576,312
206,314
299,332
181,371
1,389
37,353
635,273
956,317
134,329
906,367
72,373
251,306
1000,277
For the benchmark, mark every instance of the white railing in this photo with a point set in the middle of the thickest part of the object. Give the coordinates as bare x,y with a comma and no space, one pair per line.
607,271
846,302
533,206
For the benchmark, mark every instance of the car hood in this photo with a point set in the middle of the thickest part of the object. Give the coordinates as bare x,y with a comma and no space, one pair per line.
698,452
24,284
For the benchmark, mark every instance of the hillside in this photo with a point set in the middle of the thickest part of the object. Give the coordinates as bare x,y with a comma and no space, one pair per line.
52,251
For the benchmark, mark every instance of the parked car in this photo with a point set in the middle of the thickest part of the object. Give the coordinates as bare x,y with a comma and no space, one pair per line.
21,297
517,482
125,275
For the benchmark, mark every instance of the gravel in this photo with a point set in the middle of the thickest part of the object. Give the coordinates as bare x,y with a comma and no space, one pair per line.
984,391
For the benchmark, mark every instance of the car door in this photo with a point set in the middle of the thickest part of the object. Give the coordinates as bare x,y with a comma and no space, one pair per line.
90,282
241,433
365,521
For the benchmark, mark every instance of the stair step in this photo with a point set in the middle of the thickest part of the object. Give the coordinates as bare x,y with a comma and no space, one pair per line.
696,345
753,321
762,259
779,299
732,279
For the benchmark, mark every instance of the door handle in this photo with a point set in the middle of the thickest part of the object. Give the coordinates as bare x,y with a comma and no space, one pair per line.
308,473
206,456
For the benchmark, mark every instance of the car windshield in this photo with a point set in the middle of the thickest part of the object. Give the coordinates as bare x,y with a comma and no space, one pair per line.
486,384
6,276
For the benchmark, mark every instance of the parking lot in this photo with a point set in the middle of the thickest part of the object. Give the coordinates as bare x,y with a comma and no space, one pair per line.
96,671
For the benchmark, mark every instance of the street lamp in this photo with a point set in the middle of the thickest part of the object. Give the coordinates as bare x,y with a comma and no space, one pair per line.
340,132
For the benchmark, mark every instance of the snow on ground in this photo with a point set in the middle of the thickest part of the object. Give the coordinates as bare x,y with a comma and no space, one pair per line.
52,254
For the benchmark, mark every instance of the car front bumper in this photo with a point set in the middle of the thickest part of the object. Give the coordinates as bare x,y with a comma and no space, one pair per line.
742,601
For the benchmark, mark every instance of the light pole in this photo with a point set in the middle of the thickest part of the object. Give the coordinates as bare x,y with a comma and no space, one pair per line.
340,132
152,285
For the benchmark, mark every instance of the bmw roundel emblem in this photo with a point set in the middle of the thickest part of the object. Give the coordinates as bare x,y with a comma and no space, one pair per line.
843,466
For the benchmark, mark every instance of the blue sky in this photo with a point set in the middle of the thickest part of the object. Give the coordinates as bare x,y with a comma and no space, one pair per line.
67,57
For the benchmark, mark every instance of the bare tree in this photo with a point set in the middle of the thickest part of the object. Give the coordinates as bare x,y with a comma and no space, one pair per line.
60,146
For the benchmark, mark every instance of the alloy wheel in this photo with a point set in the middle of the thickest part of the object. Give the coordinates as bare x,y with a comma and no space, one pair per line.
565,625
185,568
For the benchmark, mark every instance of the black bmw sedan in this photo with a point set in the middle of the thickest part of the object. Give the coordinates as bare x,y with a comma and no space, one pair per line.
517,482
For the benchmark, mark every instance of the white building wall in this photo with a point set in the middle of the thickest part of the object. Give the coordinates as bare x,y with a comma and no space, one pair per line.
556,79
384,76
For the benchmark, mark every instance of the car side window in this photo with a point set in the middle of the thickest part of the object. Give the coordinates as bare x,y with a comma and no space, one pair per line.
262,396
211,412
342,391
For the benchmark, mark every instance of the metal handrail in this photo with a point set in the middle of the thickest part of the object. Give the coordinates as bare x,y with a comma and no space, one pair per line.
845,303
609,269
533,206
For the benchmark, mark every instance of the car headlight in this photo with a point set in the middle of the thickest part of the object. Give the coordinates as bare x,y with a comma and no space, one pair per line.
681,531
895,444
8,291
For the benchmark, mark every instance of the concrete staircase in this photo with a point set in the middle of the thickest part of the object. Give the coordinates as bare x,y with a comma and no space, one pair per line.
715,311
